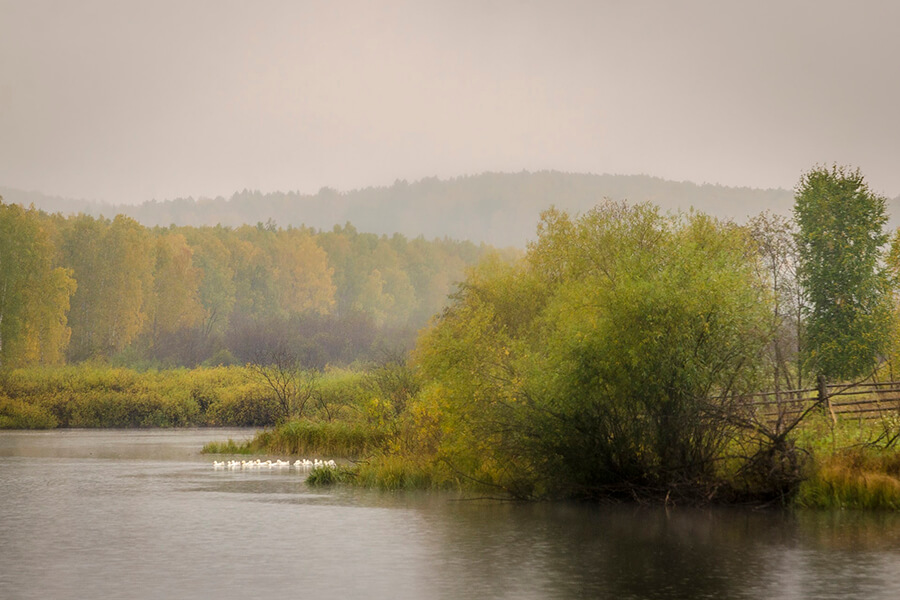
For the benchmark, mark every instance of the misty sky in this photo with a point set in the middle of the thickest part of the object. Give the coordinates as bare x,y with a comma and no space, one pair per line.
126,101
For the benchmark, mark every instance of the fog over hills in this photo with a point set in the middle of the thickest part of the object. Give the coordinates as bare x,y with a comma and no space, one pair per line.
123,102
501,209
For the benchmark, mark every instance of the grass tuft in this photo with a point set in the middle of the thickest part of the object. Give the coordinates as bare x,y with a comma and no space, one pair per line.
337,438
394,473
229,447
324,476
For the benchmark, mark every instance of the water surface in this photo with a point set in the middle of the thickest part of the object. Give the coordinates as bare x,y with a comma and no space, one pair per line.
142,514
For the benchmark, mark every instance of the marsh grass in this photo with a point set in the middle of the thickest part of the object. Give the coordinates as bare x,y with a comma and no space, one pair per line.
323,476
92,395
307,438
333,439
99,395
229,447
854,464
859,478
390,472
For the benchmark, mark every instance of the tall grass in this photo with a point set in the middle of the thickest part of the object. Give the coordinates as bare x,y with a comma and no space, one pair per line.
860,478
322,476
391,472
229,447
854,464
332,439
95,395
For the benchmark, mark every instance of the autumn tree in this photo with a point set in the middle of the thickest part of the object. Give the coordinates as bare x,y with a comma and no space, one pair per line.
301,275
277,365
34,292
176,302
216,289
113,264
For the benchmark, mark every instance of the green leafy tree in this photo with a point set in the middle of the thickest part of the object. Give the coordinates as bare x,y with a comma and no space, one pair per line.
607,362
840,239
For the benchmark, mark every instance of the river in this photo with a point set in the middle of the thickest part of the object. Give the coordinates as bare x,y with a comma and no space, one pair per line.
96,514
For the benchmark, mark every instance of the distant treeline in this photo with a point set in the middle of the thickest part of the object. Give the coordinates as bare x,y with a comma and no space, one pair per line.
496,208
81,287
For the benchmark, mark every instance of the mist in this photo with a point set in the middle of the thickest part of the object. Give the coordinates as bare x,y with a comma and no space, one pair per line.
124,102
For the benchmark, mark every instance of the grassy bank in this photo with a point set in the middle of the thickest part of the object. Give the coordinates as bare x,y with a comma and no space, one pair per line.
851,464
94,396
854,464
858,478
394,433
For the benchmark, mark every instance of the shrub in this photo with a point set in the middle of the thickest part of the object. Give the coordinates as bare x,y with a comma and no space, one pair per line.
17,414
244,405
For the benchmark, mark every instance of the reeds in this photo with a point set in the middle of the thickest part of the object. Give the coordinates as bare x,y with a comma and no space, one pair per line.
322,476
330,438
860,478
229,447
391,472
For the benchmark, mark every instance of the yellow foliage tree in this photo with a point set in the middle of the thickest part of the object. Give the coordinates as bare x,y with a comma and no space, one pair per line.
34,294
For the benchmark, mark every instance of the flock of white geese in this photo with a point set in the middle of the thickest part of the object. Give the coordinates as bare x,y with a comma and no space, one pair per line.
303,463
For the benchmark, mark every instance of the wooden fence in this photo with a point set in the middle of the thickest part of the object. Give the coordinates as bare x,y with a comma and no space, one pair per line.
846,401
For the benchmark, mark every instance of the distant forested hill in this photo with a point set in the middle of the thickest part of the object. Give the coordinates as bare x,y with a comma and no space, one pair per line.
497,208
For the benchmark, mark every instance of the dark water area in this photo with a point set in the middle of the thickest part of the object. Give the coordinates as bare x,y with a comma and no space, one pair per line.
142,514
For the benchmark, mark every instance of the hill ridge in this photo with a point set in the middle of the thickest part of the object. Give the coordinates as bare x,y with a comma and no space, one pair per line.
498,208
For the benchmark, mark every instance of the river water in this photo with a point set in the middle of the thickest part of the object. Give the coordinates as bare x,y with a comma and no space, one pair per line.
142,514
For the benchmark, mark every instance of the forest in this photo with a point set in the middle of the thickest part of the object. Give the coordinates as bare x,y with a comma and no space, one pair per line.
617,357
85,288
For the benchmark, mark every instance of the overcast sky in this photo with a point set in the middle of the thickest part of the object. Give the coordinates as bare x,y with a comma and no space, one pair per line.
127,101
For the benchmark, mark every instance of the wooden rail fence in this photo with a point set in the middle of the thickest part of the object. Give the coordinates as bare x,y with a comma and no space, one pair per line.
854,401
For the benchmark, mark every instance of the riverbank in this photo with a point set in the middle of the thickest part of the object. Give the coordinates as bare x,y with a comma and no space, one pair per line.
840,472
390,430
100,396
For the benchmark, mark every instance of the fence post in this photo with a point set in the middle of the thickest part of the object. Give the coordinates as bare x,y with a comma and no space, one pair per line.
824,398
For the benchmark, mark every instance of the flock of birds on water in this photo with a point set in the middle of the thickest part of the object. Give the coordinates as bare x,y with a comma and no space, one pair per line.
304,464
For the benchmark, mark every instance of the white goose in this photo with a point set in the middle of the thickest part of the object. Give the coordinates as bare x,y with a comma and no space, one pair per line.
300,463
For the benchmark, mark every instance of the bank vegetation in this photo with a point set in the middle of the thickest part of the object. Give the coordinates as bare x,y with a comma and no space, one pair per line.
621,357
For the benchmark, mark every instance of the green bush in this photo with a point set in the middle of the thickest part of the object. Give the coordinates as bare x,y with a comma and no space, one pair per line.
245,405
339,394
